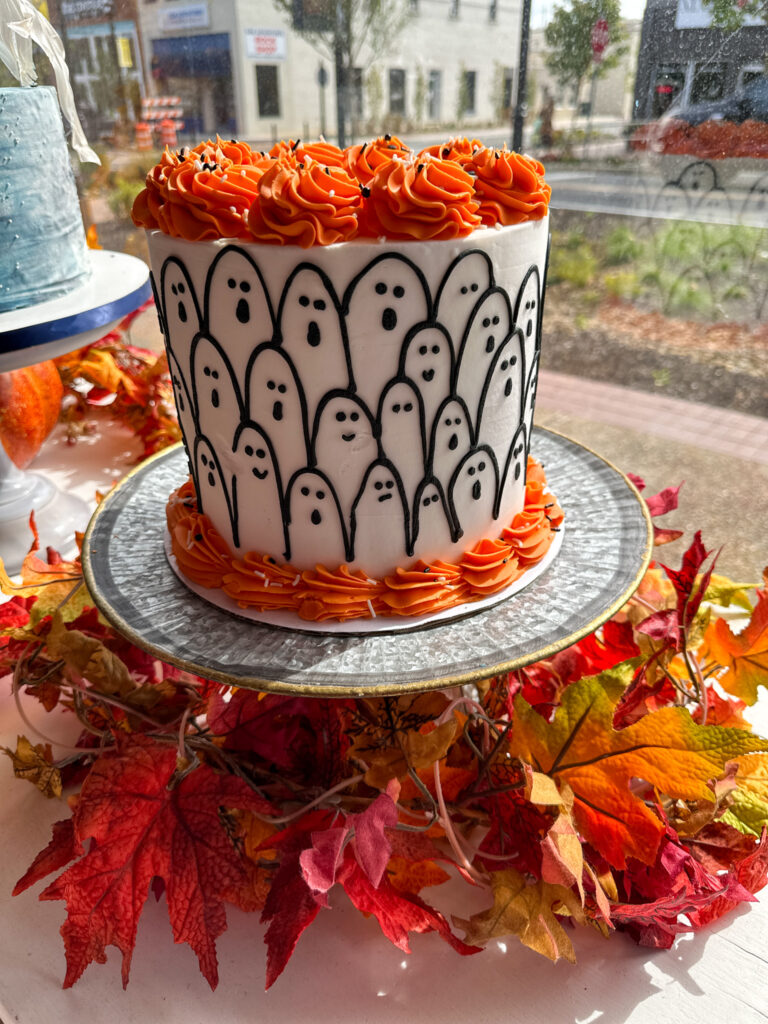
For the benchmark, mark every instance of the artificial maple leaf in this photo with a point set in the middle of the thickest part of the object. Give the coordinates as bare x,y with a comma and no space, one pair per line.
398,914
748,807
562,860
527,911
144,826
665,748
408,877
35,764
743,655
88,657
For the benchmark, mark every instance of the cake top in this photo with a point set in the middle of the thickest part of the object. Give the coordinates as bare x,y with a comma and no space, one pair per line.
314,193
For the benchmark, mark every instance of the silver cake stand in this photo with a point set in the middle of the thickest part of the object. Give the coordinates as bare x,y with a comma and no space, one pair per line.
605,552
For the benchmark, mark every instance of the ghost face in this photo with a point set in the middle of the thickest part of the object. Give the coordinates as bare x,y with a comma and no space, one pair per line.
501,405
527,313
512,487
344,444
212,495
181,313
312,334
401,429
472,495
217,398
316,533
237,307
489,326
431,530
257,494
380,531
452,437
275,401
383,303
468,277
427,360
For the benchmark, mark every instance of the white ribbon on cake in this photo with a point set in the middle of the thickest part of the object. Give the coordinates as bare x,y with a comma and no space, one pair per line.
21,24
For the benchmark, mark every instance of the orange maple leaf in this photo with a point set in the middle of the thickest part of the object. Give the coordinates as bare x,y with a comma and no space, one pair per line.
744,655
665,748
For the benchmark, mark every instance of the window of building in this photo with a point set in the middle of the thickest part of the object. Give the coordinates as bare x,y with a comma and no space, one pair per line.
397,91
493,10
267,91
434,97
708,82
667,86
468,92
453,9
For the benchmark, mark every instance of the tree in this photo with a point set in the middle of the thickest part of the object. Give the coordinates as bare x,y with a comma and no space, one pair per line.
350,33
731,15
569,41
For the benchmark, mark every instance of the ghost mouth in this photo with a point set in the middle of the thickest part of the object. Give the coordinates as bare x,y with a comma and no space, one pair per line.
313,334
389,319
316,518
384,497
476,490
508,387
258,475
243,311
427,375
348,437
453,444
182,312
277,411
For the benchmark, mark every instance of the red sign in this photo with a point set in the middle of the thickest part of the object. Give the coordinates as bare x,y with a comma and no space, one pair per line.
600,37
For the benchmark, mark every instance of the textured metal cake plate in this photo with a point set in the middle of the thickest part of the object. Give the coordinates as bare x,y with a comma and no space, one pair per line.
605,552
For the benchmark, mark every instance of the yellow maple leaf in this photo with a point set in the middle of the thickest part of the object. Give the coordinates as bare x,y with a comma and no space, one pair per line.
89,658
581,749
526,910
744,656
748,809
35,764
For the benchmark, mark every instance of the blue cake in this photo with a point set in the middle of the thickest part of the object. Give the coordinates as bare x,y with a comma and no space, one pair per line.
43,254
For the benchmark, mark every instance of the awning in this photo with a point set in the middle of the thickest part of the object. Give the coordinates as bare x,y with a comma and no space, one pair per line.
192,56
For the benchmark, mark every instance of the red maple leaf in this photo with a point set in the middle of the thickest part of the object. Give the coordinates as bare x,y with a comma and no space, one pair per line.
142,826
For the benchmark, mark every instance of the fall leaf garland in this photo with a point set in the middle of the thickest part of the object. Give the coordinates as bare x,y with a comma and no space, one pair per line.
616,785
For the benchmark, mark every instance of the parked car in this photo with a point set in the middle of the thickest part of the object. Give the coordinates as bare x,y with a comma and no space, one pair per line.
751,104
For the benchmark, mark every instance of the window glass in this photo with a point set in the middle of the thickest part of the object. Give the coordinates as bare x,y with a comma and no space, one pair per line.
267,90
396,91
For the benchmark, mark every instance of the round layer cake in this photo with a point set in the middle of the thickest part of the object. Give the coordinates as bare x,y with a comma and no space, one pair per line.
363,406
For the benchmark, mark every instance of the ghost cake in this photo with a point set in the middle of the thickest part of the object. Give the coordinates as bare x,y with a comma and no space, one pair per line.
353,340
43,254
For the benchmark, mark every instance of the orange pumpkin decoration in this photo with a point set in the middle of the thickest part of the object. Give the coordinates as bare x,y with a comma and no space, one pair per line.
30,400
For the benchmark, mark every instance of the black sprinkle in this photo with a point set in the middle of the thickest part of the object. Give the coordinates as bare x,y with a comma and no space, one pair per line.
387,138
504,561
362,148
426,570
365,190
269,559
419,169
294,146
327,170
198,536
446,153
550,505
233,141
301,167
554,529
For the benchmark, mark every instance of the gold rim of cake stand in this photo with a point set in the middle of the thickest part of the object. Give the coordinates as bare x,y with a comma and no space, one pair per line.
363,690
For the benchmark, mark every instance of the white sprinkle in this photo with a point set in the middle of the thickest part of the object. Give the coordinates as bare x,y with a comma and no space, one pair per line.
382,238
370,609
331,192
266,582
497,225
259,574
198,165
441,579
373,583
223,177
297,579
233,209
243,174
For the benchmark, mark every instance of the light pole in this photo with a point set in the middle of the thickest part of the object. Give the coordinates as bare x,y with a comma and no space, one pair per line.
522,84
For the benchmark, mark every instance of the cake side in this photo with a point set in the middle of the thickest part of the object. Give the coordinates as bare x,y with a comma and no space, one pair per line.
366,403
43,252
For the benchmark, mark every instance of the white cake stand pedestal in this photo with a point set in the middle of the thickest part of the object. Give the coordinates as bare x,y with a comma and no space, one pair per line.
118,284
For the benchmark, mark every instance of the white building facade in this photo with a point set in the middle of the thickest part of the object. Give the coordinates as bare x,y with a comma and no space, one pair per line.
241,69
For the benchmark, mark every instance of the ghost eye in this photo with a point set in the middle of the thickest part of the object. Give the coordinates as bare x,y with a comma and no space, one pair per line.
354,416
486,321
204,459
423,350
464,289
396,407
174,290
480,467
245,287
457,421
305,491
304,301
427,500
182,289
434,497
390,484
231,283
471,470
341,416
448,423
271,385
495,320
473,288
513,360
378,485
320,495
282,388
319,303
398,291
435,349
504,364
381,288
248,450
408,406
260,453
207,371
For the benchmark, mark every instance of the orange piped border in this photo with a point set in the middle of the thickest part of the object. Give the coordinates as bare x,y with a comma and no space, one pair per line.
260,582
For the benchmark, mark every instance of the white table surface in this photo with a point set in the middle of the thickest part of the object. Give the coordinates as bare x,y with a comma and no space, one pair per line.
343,969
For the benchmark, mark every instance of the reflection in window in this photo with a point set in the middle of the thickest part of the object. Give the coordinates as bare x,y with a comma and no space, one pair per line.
397,91
434,91
453,10
667,86
267,90
708,82
467,92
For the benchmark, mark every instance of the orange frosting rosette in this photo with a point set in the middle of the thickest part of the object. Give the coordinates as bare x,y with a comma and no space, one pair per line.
294,153
461,150
426,199
306,204
260,582
362,161
509,187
